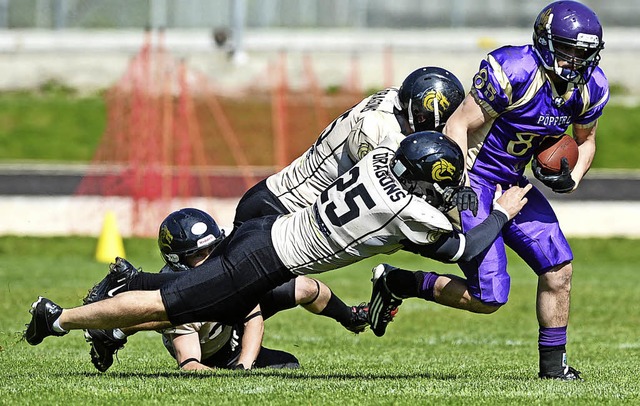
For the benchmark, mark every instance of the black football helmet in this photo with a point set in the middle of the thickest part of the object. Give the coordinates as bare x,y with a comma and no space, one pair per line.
430,165
568,31
185,232
430,95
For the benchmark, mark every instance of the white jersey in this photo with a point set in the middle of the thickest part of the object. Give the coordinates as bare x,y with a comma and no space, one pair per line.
340,146
212,336
363,213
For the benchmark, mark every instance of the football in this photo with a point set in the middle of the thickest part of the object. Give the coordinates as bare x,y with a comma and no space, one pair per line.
551,151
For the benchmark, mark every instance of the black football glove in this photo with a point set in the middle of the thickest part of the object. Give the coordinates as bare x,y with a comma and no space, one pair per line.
466,199
560,182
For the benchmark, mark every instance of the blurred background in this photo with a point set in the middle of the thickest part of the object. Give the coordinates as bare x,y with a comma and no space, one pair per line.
364,14
89,36
141,107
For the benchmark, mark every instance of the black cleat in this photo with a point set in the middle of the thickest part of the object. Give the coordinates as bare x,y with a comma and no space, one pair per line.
384,304
103,347
43,313
567,374
359,318
117,281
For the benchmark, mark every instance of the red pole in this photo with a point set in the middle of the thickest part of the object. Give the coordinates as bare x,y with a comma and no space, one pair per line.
279,112
228,134
182,128
321,114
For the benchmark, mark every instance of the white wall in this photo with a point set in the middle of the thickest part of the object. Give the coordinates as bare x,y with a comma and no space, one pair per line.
50,216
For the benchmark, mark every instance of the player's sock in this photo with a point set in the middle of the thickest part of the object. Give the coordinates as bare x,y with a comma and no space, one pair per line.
428,284
119,334
552,359
404,284
551,346
337,310
552,336
56,326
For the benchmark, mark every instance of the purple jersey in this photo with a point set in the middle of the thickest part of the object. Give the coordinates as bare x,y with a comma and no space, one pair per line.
524,107
513,88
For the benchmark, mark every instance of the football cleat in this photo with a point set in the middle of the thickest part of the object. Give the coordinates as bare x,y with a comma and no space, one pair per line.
359,318
103,347
384,304
567,374
117,281
43,314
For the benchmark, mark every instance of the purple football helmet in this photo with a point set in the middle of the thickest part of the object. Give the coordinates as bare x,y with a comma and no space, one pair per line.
570,33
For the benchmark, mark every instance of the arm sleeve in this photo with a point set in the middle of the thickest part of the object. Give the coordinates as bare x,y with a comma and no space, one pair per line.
455,246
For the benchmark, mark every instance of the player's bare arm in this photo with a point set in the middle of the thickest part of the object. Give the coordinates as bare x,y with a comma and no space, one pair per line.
188,353
585,137
251,339
468,117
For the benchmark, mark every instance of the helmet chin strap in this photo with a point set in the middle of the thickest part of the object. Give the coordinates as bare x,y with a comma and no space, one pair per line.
569,75
410,114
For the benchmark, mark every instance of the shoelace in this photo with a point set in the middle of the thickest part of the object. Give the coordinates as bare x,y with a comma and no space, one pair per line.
387,315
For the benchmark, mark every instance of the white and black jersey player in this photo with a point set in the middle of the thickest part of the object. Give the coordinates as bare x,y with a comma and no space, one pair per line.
342,143
381,206
367,211
390,200
424,101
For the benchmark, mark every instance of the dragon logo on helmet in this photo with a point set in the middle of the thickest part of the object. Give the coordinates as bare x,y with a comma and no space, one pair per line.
435,98
442,170
165,238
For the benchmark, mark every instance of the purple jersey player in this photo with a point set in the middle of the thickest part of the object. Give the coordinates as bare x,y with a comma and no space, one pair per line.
520,95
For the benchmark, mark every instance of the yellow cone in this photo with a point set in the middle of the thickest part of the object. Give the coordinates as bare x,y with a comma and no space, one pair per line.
110,243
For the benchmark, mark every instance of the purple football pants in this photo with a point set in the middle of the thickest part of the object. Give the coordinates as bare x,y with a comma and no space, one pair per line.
534,234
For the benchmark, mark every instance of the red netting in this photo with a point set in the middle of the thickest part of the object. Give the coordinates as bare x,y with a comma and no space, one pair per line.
170,135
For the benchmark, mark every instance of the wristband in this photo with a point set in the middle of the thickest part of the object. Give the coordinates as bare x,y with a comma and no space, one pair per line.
188,360
497,207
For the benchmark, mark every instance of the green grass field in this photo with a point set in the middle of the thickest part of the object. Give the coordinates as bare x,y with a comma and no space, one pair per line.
430,354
